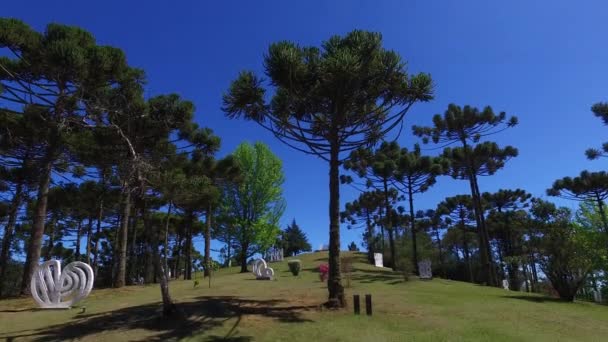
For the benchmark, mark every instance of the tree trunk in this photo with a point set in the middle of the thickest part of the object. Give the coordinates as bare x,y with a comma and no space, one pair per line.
207,258
160,268
413,227
78,237
96,248
179,241
465,247
50,228
334,285
35,244
166,242
121,273
389,226
441,262
243,257
5,255
88,243
188,249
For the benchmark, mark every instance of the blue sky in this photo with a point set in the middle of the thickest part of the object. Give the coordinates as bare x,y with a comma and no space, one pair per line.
543,61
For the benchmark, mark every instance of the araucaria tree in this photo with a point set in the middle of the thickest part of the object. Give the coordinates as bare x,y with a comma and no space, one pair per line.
255,203
379,168
588,186
328,101
416,173
466,126
51,75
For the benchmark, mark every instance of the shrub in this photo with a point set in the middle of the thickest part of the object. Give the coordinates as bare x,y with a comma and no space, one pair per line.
323,272
404,265
294,266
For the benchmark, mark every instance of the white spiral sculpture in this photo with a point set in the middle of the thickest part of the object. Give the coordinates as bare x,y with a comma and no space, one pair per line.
261,270
53,288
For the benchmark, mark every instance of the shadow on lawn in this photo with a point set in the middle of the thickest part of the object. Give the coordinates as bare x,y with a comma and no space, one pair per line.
537,299
367,276
204,313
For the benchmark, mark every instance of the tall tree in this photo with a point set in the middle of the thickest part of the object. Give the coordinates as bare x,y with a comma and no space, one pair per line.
328,101
52,73
467,126
504,206
416,173
459,210
379,169
256,202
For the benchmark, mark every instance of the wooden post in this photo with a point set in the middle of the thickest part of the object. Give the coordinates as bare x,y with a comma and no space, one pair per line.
368,304
356,304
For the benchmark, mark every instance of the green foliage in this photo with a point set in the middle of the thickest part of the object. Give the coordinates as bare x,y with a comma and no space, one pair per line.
352,247
293,240
255,203
294,266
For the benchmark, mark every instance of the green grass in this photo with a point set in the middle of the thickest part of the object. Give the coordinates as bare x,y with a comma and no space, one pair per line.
239,308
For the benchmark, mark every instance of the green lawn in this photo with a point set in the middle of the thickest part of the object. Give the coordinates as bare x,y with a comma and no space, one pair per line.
240,308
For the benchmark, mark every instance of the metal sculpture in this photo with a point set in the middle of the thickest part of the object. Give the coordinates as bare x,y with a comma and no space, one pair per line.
53,288
261,270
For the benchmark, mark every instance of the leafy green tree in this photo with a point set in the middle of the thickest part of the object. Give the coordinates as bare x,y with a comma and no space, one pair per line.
431,222
467,126
256,202
567,252
327,102
416,174
353,247
293,240
589,186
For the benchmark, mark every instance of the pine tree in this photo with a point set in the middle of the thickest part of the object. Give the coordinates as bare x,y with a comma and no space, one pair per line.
293,240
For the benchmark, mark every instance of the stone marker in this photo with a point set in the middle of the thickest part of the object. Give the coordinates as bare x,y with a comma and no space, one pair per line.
505,284
424,269
261,270
378,260
53,288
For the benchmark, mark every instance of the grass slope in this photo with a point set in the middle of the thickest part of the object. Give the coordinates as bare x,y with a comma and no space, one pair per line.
239,308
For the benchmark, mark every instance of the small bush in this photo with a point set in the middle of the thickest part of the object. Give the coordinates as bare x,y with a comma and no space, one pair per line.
404,265
294,266
323,272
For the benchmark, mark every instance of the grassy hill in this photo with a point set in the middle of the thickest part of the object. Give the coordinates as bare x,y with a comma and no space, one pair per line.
240,308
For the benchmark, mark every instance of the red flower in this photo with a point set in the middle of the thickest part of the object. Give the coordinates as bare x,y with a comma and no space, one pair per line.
323,272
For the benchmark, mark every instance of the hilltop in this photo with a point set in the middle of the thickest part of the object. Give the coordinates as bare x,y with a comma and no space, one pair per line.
239,308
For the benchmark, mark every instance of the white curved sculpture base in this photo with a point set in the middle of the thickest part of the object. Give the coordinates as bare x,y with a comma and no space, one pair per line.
53,288
261,270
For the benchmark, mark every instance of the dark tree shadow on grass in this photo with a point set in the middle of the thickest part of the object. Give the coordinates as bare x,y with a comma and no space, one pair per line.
538,299
367,276
202,314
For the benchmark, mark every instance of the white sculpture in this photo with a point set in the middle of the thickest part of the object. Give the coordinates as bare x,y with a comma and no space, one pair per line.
505,284
378,260
261,270
53,288
424,269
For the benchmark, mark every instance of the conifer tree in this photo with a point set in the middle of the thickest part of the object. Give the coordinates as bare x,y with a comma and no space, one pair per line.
328,101
466,126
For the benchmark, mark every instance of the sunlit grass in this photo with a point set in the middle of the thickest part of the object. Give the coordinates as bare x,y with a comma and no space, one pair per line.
239,308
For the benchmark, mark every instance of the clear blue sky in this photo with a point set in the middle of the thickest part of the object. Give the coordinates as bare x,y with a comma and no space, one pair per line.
544,61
